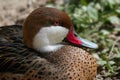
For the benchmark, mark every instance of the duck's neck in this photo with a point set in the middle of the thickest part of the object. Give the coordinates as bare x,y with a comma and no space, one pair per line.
50,48
47,50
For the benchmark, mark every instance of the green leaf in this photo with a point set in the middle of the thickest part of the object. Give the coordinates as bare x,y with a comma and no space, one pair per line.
96,56
101,62
98,6
111,62
111,2
83,2
118,10
92,13
105,32
114,19
110,68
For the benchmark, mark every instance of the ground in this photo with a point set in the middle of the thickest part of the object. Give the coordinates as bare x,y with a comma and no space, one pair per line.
15,11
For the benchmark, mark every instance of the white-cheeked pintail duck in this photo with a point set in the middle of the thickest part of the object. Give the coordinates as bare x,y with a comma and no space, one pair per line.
46,47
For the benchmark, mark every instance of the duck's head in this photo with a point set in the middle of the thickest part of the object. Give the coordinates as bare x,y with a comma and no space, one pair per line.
46,28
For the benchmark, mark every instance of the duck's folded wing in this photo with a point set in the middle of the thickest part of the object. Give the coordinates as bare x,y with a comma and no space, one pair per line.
14,55
14,59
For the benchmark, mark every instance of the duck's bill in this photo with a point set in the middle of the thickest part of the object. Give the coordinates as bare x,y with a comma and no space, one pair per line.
73,38
87,43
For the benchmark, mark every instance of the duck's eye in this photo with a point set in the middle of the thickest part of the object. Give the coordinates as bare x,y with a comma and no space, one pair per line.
56,23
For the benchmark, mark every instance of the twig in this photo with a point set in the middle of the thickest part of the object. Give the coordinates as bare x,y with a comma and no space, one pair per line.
111,53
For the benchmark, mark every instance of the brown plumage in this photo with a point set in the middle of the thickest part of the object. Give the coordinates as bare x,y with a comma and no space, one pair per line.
18,62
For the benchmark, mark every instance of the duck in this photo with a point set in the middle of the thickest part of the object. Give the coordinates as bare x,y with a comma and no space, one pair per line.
45,47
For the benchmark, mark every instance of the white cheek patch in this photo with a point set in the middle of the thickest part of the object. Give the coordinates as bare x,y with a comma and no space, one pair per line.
47,38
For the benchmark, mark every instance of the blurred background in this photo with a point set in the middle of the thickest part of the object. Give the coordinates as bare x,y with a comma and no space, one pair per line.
15,11
96,20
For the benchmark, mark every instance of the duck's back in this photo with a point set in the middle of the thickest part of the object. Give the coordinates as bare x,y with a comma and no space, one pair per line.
17,62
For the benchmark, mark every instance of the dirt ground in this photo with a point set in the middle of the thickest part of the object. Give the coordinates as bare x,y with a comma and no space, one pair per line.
15,11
